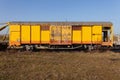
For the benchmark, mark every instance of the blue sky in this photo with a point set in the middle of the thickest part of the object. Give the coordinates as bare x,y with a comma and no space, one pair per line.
61,10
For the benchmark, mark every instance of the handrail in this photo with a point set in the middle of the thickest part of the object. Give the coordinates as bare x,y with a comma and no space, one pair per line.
3,27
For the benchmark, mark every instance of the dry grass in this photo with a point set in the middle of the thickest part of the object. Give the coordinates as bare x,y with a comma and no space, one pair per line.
60,66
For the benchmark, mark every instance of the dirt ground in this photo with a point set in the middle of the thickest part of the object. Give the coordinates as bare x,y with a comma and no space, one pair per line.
60,65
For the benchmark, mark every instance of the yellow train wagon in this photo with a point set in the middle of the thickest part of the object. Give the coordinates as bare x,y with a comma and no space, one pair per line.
28,34
60,35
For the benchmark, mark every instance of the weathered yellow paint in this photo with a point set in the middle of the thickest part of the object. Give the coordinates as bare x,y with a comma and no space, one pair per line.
76,36
55,36
86,34
96,29
45,36
58,34
25,34
66,34
96,39
97,34
35,34
14,28
15,38
14,35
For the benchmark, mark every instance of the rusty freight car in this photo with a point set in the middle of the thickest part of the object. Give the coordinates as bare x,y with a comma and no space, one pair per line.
60,35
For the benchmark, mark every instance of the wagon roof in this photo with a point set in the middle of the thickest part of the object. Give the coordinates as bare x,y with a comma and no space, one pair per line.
63,23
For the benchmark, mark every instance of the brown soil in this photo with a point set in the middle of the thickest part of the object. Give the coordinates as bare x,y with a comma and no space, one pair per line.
60,66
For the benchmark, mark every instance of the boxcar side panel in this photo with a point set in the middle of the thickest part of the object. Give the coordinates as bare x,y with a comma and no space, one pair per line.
76,37
76,34
35,34
25,34
97,34
66,34
86,35
14,28
45,34
45,37
14,35
55,34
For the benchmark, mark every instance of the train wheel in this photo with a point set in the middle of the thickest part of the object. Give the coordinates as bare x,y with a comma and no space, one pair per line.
29,48
90,48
